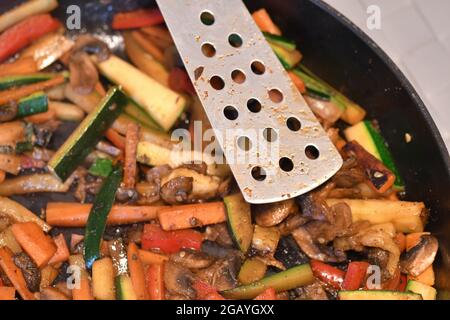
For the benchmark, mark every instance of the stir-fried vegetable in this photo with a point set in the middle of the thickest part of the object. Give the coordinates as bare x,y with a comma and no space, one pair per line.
98,216
137,19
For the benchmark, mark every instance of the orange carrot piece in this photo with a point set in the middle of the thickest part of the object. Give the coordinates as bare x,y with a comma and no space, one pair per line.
83,291
67,214
14,274
14,94
148,257
413,239
100,89
148,46
62,251
2,176
41,117
400,239
22,66
115,138
265,23
298,82
191,215
130,166
10,163
427,277
7,293
154,279
34,241
137,272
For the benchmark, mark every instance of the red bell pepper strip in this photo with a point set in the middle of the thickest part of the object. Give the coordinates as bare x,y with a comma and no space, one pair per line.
154,278
205,291
137,19
23,33
179,81
154,237
268,294
403,282
356,273
327,274
393,283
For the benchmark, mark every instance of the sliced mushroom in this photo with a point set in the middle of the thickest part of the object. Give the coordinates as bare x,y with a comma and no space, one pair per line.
178,280
313,291
155,174
220,234
177,190
269,215
92,45
419,258
83,73
292,223
192,259
223,273
350,175
148,192
29,270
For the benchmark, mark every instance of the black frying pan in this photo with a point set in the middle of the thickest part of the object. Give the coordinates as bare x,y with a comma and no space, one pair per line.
341,53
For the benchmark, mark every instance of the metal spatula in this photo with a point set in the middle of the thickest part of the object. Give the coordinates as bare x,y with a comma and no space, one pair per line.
274,144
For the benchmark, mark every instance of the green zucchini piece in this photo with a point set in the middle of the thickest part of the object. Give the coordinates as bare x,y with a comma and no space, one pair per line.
252,270
124,288
368,137
161,103
101,167
96,223
83,140
377,295
8,82
280,41
134,110
427,292
239,220
289,59
24,146
285,280
33,104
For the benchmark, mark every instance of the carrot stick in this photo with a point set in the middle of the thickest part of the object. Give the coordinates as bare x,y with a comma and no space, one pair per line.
7,293
11,133
22,66
14,274
41,117
116,139
83,292
99,89
2,176
137,19
191,215
148,257
158,33
62,251
154,279
265,23
7,96
10,163
148,46
137,272
130,167
64,214
33,240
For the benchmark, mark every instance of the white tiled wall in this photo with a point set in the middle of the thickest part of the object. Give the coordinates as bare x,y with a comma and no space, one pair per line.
416,35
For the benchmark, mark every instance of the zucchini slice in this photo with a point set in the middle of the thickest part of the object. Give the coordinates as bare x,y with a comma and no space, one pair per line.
83,140
124,288
21,80
285,280
33,104
370,139
289,59
239,220
162,104
377,295
252,270
281,41
427,292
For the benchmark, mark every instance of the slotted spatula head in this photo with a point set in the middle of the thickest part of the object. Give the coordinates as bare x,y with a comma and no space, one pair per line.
274,144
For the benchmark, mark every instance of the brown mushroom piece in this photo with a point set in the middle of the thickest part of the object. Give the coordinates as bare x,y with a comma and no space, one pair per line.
29,269
219,233
192,259
419,258
313,291
8,112
155,174
178,280
223,273
292,223
269,215
350,175
177,190
83,73
148,192
50,293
